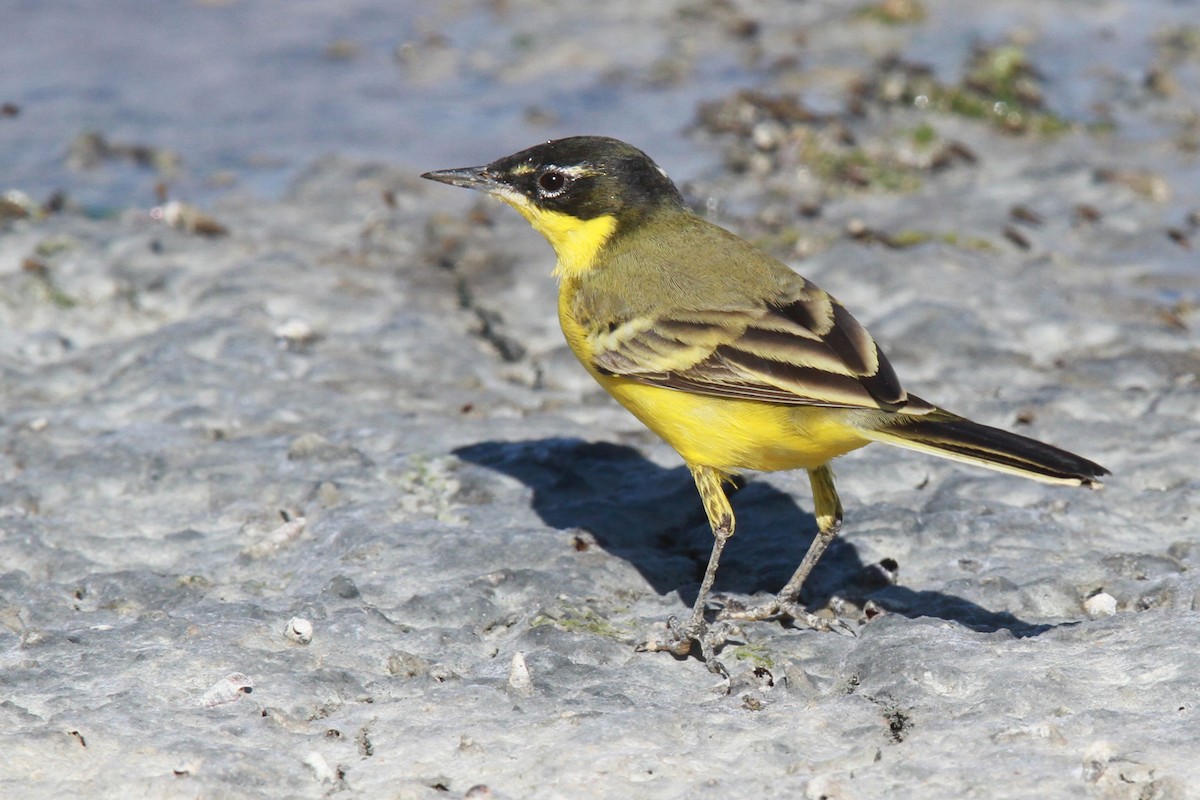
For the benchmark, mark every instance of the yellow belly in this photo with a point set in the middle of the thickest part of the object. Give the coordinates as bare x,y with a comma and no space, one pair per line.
732,435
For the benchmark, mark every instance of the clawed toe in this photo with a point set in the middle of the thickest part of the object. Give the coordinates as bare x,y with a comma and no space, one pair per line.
678,644
681,638
778,607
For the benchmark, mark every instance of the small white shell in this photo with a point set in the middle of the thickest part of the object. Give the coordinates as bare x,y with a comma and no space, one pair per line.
226,690
1101,604
320,767
299,630
294,333
285,534
519,679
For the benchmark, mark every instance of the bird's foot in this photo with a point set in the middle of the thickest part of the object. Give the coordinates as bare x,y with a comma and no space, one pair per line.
781,607
682,638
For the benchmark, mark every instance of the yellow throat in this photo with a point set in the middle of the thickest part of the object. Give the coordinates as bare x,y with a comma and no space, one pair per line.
575,241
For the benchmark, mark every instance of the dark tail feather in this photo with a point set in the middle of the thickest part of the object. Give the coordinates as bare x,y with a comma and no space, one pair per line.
950,436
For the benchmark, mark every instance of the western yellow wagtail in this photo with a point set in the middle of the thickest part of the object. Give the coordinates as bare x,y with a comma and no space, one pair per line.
723,351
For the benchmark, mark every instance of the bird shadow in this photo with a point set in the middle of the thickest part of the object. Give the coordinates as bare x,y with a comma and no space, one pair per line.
651,516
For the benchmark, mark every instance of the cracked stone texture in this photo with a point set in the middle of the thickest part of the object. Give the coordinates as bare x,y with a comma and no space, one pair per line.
356,409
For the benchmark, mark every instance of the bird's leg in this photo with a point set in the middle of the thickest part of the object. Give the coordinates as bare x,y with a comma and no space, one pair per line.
720,518
828,510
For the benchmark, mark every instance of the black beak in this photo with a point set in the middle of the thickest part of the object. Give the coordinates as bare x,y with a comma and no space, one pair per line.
477,178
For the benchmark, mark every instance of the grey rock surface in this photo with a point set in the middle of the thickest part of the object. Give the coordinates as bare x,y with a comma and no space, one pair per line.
355,410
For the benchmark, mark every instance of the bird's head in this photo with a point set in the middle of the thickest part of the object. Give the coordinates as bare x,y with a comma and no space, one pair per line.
577,192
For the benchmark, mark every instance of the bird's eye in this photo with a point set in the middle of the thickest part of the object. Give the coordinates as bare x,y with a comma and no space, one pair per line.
551,183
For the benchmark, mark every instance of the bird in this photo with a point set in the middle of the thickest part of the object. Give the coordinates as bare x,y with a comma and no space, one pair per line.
726,353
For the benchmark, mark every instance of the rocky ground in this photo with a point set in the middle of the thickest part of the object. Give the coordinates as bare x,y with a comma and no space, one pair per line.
305,496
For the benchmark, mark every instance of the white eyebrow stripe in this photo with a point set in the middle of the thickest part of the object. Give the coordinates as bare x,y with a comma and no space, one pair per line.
572,171
577,171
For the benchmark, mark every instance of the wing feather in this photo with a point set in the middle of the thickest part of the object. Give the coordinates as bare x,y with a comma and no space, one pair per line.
804,348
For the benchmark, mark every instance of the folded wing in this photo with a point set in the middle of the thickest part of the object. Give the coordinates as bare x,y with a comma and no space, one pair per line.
802,348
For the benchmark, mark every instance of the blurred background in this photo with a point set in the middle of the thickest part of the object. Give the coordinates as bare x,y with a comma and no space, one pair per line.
107,99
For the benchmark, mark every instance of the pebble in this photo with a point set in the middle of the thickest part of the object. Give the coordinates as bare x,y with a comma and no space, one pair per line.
1101,604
